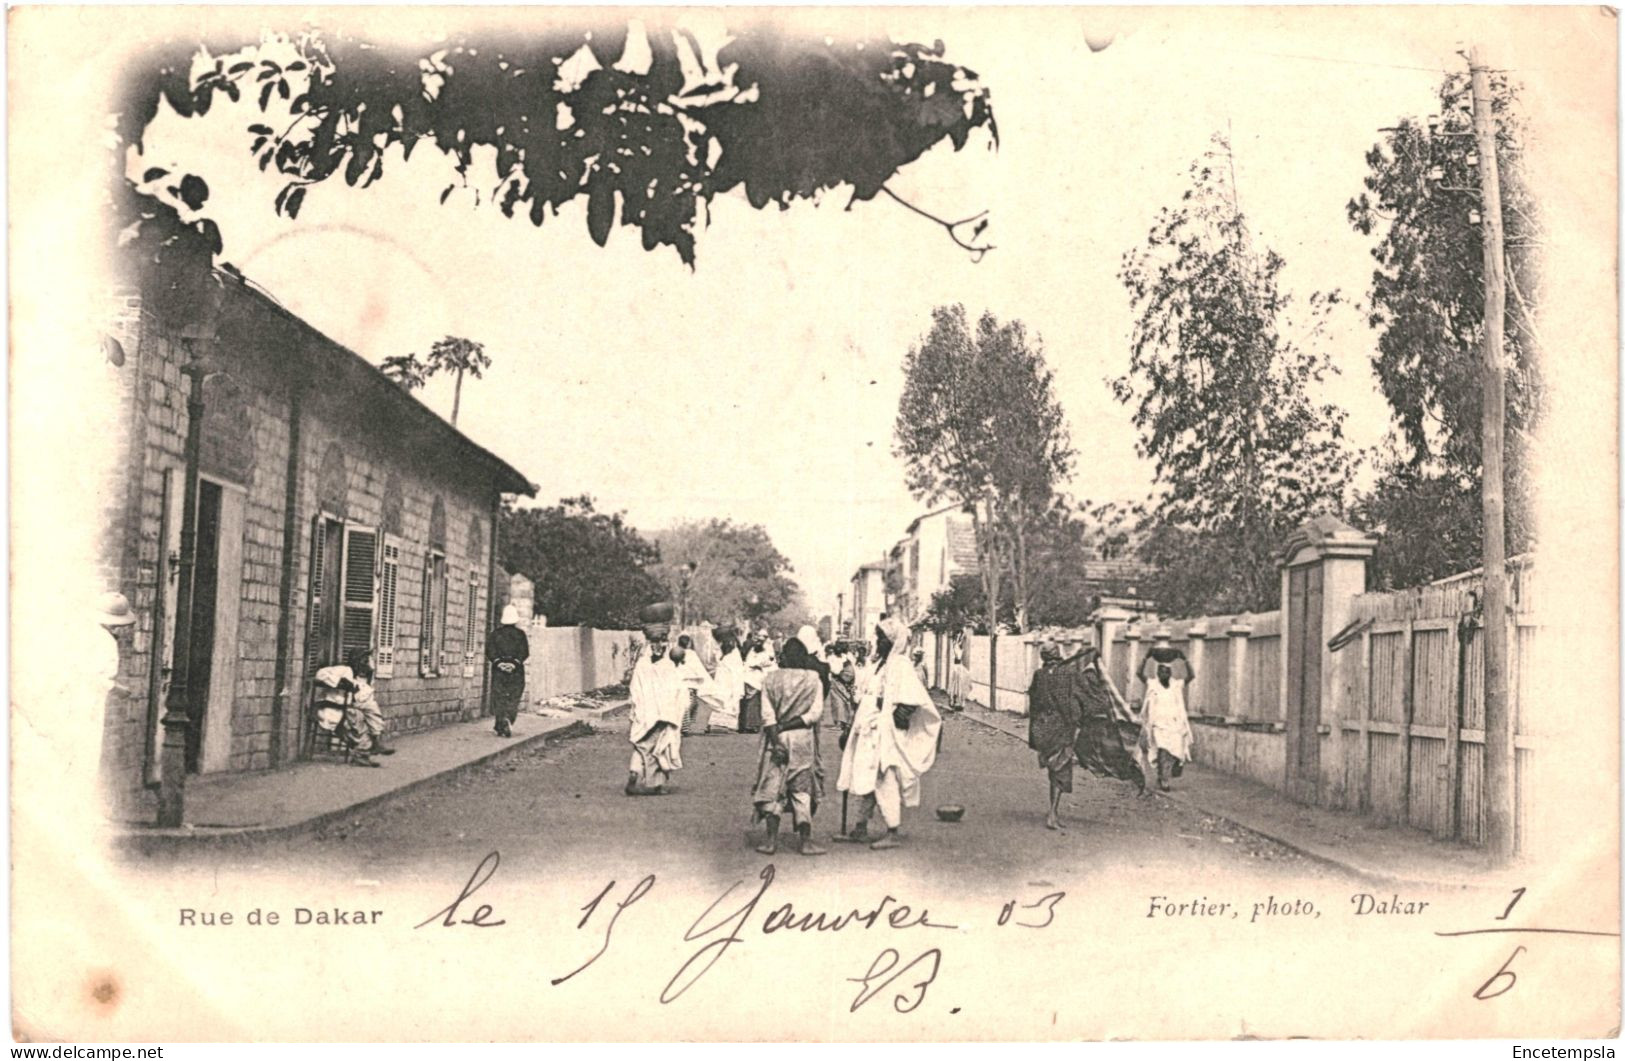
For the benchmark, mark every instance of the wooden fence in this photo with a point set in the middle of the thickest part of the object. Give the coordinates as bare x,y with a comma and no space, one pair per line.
1414,716
1397,726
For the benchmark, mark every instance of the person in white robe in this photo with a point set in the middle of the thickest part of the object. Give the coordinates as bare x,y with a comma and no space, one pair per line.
1165,728
759,660
729,679
893,741
659,700
700,694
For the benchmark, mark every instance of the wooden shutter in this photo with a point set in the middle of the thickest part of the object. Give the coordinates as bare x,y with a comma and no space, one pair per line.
389,576
432,623
441,587
470,625
313,635
359,588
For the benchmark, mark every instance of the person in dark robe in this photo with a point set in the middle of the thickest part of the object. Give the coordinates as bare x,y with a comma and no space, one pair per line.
841,700
1074,714
507,649
1053,712
1100,747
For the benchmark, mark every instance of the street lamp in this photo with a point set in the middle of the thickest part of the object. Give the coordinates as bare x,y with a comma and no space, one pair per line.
177,720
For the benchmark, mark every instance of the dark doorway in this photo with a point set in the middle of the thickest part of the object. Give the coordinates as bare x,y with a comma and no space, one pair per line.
205,594
1305,591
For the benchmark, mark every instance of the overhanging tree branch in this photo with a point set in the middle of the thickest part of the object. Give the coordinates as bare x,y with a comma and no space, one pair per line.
977,221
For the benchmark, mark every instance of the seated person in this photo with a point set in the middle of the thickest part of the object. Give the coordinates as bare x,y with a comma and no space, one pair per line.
344,699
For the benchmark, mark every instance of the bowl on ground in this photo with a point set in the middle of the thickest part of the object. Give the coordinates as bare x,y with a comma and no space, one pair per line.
950,812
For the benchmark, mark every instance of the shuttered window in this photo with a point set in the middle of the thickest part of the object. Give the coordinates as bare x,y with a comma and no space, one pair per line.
360,590
389,578
314,648
432,636
471,620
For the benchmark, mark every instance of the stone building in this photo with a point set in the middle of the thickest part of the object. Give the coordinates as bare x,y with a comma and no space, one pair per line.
935,549
334,511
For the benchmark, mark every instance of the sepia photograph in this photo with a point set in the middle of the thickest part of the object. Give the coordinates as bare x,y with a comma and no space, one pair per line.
862,524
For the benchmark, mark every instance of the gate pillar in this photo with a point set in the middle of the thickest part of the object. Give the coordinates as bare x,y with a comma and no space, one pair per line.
1323,567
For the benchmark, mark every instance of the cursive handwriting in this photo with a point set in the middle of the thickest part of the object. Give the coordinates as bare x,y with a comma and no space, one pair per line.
785,918
713,951
1045,903
883,965
475,883
639,890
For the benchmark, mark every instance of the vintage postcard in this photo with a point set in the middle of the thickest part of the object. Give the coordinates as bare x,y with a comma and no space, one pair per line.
813,524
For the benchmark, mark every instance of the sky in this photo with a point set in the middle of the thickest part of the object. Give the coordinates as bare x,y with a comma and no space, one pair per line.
762,386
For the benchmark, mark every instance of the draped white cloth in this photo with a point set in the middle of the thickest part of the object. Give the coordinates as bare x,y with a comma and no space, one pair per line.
757,665
876,744
1165,724
657,696
730,685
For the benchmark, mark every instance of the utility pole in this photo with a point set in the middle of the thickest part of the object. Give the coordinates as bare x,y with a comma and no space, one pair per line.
1499,786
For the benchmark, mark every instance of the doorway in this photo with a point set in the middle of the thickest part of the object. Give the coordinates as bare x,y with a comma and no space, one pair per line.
216,601
1305,593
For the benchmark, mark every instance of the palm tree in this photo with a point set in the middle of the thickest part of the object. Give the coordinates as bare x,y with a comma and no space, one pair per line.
454,354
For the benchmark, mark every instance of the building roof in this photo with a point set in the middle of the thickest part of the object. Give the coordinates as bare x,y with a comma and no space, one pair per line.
955,507
380,388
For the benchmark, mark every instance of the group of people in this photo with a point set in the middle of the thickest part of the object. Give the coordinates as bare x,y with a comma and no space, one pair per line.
1076,718
887,724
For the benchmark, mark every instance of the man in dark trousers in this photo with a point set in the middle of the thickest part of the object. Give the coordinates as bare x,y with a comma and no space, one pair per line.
507,649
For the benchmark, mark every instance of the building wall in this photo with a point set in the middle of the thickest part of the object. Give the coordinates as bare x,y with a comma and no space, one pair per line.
937,564
247,431
868,601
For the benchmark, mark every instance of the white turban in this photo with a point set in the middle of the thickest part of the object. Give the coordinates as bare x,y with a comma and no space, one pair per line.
510,615
809,640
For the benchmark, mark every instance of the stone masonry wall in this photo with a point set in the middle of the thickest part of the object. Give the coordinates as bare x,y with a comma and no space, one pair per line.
246,442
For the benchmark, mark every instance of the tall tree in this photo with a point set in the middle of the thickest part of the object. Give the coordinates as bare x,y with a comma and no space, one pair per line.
454,354
645,122
979,424
723,571
589,567
1224,401
1427,306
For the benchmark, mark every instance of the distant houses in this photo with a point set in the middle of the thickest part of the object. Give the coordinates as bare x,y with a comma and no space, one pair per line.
940,547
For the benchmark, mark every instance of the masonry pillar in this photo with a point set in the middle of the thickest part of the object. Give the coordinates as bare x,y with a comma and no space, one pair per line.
1195,645
1239,632
1108,624
1133,689
1323,568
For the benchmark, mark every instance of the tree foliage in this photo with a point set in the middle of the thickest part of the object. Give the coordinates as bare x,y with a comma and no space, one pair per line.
736,572
1224,400
962,606
1427,307
979,423
407,371
645,122
589,567
1431,524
